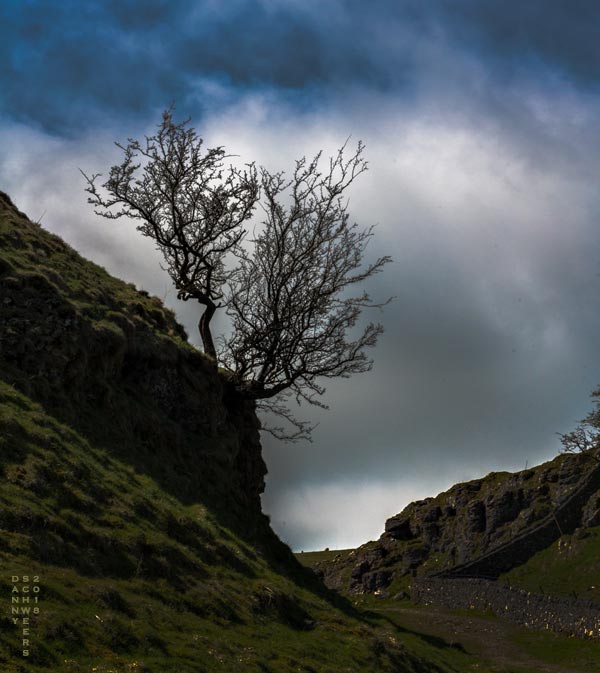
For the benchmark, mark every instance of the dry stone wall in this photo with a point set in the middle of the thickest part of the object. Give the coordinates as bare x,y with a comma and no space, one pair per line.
566,615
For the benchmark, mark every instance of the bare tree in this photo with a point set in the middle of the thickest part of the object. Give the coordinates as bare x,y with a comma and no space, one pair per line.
289,305
187,204
288,294
586,436
580,440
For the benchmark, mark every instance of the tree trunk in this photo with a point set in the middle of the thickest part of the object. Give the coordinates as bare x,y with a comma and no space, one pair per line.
204,328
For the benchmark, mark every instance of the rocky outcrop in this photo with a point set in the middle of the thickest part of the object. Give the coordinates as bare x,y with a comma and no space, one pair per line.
564,518
480,528
88,347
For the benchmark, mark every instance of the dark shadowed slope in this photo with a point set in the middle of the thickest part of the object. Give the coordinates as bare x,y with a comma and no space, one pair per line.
130,484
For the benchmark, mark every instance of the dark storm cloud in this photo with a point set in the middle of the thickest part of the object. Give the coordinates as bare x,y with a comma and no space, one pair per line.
561,34
67,65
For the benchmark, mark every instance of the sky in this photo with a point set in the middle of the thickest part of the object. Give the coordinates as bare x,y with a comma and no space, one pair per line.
482,130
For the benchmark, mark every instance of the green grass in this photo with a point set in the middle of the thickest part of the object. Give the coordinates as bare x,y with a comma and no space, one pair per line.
570,566
493,642
29,251
560,650
134,579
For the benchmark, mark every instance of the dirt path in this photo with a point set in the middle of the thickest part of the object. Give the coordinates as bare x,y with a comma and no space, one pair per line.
489,639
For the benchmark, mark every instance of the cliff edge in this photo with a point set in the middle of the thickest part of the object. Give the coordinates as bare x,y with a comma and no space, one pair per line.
132,539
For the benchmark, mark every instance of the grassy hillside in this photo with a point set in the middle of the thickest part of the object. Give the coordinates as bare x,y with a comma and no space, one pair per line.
130,484
571,566
133,579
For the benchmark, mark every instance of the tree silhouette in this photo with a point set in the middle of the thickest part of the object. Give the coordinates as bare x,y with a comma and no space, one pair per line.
585,438
187,204
287,291
289,308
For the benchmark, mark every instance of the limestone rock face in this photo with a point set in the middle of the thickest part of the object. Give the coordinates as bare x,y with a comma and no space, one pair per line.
500,519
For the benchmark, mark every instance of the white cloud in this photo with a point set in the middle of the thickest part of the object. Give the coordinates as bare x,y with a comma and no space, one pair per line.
346,513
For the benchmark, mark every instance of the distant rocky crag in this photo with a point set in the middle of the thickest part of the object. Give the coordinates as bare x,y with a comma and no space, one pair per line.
480,528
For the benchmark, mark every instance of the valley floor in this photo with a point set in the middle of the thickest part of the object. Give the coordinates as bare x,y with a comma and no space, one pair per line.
496,645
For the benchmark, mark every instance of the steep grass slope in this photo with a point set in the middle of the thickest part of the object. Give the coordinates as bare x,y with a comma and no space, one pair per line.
130,485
